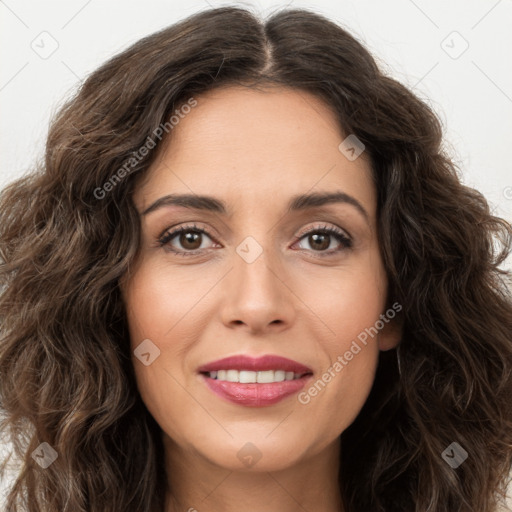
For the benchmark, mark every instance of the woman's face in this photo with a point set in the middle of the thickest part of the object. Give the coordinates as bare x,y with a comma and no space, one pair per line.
255,274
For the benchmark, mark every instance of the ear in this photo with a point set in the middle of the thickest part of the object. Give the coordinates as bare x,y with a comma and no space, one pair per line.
391,334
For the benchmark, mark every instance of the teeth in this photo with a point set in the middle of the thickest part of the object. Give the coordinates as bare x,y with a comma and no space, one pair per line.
247,377
232,376
266,377
279,375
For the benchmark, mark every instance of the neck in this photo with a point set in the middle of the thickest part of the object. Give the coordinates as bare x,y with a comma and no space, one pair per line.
196,484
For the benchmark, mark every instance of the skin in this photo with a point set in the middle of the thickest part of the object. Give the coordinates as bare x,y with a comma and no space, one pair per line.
254,149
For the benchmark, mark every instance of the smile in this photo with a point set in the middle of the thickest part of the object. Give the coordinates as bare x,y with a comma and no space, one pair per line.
255,382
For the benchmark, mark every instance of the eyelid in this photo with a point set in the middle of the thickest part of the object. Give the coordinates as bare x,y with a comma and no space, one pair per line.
172,231
326,227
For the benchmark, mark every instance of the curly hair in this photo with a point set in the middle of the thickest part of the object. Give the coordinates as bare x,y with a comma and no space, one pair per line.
66,376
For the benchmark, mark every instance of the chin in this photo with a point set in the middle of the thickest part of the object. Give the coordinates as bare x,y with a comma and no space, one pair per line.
247,454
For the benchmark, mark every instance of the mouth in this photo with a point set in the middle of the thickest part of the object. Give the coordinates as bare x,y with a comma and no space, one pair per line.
255,382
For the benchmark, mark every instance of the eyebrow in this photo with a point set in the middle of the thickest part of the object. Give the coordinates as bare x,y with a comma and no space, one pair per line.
297,203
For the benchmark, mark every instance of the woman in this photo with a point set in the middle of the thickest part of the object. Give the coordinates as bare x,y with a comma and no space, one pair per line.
205,285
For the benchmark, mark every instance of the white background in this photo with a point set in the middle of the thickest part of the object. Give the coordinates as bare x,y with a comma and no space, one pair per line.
413,40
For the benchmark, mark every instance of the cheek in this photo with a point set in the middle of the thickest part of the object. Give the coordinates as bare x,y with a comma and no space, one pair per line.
347,300
350,307
161,300
336,396
169,308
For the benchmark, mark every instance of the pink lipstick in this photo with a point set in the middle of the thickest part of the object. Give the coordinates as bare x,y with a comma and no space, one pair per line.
255,382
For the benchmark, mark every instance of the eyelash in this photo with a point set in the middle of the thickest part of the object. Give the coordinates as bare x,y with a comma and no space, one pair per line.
340,236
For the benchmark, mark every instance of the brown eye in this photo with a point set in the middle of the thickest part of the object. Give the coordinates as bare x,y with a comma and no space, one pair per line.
189,240
186,240
319,242
320,239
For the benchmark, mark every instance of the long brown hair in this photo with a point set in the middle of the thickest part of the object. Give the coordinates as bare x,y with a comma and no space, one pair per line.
66,239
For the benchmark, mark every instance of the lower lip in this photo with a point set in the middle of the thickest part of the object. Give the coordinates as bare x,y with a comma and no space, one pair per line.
253,394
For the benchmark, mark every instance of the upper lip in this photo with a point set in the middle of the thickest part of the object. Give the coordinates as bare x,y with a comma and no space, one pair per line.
267,362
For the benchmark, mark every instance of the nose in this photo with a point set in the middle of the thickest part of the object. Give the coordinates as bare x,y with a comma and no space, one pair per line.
255,297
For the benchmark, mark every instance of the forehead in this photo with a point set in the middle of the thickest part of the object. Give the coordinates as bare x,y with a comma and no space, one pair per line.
247,146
